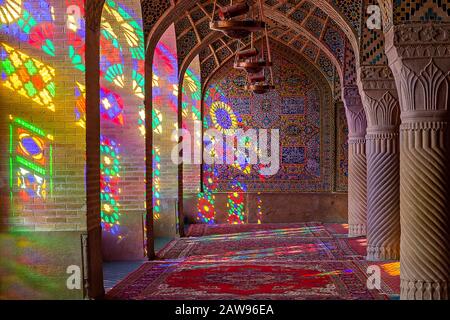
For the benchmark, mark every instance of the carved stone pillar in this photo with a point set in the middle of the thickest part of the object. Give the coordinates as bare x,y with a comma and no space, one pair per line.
382,147
357,196
419,56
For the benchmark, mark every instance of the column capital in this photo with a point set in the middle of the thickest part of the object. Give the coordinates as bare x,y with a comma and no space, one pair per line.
354,110
419,56
380,99
376,77
418,40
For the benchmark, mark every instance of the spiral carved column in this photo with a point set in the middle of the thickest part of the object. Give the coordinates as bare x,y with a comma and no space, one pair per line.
357,195
383,176
419,56
383,197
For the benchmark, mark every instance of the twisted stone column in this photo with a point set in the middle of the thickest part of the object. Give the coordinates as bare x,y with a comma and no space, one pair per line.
382,147
419,56
357,195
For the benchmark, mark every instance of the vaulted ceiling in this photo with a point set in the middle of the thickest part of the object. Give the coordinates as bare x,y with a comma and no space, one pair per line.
299,24
326,27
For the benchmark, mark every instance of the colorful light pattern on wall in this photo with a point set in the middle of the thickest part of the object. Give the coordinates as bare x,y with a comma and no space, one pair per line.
31,161
235,204
80,105
141,121
259,203
191,106
129,27
27,76
223,117
191,94
138,78
226,120
156,152
299,108
10,11
122,91
30,21
41,37
121,72
110,168
111,106
75,27
207,199
114,74
119,26
157,121
164,120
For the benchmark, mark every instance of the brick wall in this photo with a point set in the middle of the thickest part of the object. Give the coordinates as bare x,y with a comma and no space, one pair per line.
43,99
42,151
191,113
63,207
165,105
122,100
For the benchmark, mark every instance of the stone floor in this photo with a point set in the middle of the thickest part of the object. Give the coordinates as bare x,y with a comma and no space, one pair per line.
115,271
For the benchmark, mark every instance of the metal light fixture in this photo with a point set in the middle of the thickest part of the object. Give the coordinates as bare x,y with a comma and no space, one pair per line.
239,19
257,63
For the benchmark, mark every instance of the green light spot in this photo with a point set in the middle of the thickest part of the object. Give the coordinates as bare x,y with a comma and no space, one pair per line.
30,165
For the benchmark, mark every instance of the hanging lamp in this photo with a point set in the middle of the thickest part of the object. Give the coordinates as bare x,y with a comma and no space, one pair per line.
258,67
239,19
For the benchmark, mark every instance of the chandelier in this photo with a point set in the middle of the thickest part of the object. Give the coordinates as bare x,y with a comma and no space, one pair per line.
256,61
239,19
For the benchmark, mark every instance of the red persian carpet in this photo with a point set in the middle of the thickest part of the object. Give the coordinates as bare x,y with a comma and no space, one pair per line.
337,229
181,280
268,261
310,229
261,248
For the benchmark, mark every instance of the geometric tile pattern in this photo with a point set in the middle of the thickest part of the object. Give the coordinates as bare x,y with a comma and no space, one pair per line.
421,10
372,42
300,107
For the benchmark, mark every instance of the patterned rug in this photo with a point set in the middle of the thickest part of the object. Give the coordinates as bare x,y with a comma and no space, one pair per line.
309,229
337,229
390,275
181,280
269,261
256,248
353,247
